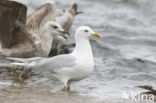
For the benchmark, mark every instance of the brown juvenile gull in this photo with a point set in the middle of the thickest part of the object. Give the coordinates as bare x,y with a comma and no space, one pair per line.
35,42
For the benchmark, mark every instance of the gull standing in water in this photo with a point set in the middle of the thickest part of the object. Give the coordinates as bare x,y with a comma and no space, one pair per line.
66,68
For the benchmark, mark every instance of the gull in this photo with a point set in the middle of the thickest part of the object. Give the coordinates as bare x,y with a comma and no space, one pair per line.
34,37
65,17
37,43
66,68
33,41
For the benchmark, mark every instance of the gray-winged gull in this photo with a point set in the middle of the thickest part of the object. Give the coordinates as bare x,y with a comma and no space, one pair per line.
67,67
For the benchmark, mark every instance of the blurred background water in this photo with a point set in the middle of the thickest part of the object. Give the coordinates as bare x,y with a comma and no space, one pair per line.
125,55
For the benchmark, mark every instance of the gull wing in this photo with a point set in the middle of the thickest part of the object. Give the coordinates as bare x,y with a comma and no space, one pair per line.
24,60
66,16
56,63
12,22
35,19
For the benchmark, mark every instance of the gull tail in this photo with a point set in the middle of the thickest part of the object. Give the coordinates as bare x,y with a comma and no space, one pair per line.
6,65
18,63
24,60
12,65
75,8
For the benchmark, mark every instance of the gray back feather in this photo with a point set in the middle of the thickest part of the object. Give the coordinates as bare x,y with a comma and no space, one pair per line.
54,64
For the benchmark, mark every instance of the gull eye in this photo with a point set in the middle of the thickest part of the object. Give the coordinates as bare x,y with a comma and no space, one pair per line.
55,27
86,31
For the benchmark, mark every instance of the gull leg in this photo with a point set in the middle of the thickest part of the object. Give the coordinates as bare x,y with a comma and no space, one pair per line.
68,85
65,85
13,82
64,89
19,77
68,89
16,75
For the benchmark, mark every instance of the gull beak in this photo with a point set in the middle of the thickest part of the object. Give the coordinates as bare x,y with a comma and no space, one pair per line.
66,32
64,36
96,34
79,12
62,33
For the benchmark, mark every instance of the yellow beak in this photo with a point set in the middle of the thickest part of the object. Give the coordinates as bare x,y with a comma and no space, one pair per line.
96,34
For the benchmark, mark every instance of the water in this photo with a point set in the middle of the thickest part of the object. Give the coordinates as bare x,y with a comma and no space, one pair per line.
125,55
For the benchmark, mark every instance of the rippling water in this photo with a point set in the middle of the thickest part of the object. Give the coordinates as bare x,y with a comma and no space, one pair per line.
125,56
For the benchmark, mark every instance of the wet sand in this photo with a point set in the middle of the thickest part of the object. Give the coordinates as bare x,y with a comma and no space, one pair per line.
41,95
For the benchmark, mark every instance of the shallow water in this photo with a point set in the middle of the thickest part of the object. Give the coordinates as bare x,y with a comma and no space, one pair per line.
125,56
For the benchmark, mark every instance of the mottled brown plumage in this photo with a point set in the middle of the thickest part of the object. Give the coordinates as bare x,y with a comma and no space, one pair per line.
28,37
12,20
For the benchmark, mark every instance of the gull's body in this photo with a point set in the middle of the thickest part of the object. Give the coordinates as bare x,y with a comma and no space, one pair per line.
37,37
67,67
35,44
47,35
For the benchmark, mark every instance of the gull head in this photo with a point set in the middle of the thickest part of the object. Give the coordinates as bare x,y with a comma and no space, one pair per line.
55,29
85,32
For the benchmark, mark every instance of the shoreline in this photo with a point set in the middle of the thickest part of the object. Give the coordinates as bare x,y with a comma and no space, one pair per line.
41,95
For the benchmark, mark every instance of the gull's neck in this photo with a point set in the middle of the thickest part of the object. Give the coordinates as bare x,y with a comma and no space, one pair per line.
47,40
83,48
84,57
